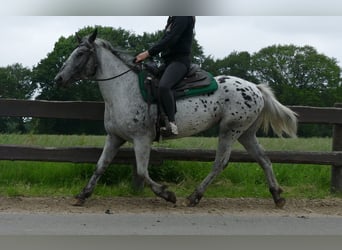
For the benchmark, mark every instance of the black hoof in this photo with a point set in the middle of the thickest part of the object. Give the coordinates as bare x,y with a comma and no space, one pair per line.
79,202
171,197
280,203
166,195
193,200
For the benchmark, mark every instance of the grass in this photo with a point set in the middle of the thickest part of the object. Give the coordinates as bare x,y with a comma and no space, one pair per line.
19,178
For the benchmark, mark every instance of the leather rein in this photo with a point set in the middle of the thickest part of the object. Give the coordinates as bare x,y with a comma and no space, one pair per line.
113,77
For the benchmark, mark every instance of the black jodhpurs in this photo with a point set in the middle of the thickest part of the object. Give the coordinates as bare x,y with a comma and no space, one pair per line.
173,74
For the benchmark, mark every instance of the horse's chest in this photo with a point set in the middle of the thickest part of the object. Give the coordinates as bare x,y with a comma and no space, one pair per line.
126,120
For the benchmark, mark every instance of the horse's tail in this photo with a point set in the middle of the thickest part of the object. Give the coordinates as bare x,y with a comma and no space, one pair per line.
281,118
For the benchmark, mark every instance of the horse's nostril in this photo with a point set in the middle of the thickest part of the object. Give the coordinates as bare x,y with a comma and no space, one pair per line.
59,81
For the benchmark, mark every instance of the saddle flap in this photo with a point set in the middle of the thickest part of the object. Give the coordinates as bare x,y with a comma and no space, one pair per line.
197,80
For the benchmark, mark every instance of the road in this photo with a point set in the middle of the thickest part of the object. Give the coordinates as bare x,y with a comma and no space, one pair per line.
166,224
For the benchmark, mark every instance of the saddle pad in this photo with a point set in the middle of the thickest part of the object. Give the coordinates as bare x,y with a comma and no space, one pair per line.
183,93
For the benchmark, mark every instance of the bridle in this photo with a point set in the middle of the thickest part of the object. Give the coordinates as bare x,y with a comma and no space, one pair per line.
92,51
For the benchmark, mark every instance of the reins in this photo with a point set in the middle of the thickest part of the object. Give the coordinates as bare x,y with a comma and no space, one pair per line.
113,77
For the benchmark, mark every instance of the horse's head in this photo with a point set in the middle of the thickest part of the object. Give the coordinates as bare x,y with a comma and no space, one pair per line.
81,63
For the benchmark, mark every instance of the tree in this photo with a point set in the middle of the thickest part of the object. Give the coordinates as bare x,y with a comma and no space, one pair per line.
15,82
298,75
236,64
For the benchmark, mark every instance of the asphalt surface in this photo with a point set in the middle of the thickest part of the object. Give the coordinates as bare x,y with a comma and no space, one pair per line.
166,224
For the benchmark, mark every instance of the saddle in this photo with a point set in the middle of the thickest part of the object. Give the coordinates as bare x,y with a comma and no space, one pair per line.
196,82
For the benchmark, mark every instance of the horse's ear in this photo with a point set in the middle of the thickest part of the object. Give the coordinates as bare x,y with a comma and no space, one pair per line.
93,36
79,39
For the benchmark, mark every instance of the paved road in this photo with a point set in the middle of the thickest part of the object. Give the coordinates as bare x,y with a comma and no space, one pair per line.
166,224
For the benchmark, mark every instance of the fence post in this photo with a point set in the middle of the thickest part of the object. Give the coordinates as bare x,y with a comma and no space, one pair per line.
336,170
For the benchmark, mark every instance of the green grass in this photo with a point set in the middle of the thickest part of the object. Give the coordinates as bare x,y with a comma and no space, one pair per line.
19,178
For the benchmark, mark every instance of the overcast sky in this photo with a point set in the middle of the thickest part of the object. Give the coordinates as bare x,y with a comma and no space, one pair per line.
28,39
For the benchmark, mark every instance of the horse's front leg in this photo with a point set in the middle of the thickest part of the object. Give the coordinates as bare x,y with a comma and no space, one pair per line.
142,148
110,149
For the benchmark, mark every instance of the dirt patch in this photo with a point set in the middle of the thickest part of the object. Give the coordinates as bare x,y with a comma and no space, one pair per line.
293,207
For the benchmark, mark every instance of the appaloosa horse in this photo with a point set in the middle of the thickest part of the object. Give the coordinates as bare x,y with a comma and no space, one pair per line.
238,107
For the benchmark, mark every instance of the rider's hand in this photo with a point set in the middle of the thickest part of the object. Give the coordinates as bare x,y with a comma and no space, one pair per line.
142,56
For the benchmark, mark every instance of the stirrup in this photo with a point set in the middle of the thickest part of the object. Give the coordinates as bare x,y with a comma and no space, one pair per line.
170,130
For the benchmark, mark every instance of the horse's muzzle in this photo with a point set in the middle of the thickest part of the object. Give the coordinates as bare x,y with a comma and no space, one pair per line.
60,81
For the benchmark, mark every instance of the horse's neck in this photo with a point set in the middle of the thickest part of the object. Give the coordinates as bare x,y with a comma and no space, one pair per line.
116,89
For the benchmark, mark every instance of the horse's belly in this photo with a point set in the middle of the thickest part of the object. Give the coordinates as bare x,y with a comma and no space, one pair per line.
192,118
193,126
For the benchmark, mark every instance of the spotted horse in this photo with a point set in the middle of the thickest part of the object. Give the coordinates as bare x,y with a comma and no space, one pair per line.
238,107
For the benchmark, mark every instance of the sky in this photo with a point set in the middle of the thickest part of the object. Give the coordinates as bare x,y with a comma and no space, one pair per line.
28,39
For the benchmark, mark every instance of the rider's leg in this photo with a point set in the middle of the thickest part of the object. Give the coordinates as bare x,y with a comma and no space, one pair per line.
172,75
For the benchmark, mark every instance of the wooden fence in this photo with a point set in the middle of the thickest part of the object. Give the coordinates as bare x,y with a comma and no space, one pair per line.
95,110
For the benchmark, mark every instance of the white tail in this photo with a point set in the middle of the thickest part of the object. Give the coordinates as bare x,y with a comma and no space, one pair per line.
281,118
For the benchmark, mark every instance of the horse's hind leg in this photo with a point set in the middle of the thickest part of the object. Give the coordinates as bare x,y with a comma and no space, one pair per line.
250,142
110,149
142,149
221,161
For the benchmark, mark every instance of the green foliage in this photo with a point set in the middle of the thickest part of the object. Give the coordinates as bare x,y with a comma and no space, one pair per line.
235,64
298,75
15,82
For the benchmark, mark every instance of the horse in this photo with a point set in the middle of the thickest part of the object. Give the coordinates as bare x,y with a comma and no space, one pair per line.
238,107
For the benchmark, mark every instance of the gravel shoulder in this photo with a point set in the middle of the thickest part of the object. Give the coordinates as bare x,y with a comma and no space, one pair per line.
124,205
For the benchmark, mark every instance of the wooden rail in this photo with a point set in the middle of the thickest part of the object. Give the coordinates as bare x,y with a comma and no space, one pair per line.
158,155
95,111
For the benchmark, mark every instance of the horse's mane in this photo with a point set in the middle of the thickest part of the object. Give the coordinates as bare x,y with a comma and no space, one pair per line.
124,55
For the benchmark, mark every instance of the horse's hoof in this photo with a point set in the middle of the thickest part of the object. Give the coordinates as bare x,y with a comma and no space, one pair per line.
193,200
171,197
79,202
280,203
191,204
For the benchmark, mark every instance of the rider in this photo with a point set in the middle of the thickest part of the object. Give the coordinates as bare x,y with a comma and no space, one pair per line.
175,49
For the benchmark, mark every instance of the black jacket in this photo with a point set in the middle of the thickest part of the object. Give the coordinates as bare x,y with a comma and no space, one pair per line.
177,39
